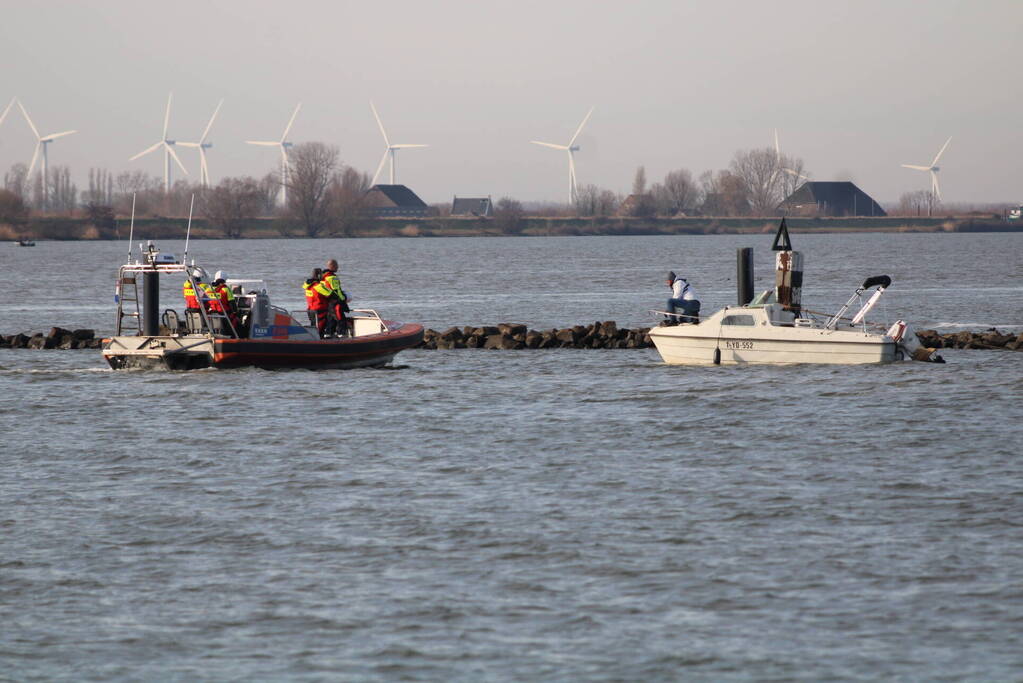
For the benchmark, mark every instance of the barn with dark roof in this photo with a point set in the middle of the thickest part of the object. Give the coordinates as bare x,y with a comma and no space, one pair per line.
472,206
839,198
396,201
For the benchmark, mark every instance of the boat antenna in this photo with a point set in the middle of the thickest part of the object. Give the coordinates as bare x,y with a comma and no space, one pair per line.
131,230
188,230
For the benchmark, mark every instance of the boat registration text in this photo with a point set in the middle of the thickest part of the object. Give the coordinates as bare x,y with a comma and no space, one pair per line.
738,343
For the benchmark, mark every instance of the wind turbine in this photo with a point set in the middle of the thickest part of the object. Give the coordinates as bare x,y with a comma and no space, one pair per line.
570,148
168,151
933,168
777,154
202,145
283,145
390,151
42,141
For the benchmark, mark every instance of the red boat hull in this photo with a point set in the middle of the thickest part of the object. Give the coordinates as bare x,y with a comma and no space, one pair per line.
353,352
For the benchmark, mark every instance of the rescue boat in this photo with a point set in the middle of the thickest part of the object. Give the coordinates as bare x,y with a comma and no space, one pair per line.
265,336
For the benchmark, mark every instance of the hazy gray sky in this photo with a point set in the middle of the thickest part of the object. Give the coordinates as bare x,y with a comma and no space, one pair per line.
854,88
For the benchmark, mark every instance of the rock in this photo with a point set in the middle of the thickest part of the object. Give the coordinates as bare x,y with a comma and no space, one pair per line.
549,340
56,333
38,341
486,331
19,341
452,334
996,338
566,337
512,329
474,342
1016,345
5,342
84,334
533,339
609,328
930,339
68,341
494,341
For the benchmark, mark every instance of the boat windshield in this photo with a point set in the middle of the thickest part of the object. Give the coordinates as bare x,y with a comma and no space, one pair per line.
765,297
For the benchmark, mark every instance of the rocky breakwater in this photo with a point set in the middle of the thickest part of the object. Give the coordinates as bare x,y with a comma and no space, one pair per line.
57,338
511,336
988,339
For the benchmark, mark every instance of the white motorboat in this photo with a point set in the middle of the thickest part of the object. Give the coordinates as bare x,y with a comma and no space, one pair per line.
774,328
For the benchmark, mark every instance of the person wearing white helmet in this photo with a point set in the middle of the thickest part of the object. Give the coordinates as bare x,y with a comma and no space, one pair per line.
227,301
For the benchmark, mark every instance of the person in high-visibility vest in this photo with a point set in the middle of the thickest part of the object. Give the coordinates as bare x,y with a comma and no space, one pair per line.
337,304
226,298
191,300
316,297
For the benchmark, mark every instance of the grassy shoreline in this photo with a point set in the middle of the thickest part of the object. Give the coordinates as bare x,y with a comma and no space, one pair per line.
46,228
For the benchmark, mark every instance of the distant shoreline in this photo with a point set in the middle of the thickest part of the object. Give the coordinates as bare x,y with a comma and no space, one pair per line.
81,229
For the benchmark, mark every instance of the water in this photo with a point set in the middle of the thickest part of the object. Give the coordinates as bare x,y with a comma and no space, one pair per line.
477,515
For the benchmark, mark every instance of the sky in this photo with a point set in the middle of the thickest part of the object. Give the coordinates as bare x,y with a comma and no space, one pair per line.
854,88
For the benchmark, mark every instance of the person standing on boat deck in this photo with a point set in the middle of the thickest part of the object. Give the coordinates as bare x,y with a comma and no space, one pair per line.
337,304
193,316
316,297
226,297
683,296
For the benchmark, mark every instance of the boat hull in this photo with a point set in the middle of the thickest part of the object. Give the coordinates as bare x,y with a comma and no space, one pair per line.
197,352
688,345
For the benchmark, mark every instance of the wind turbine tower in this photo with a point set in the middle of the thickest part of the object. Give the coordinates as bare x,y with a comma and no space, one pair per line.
42,142
389,151
933,170
168,151
571,148
777,154
283,145
202,146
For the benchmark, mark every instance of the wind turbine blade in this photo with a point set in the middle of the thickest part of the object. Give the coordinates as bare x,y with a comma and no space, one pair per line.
209,125
166,116
580,128
571,170
287,129
406,146
916,168
934,182
146,151
942,151
263,143
175,155
204,170
550,144
379,123
4,115
54,136
380,167
27,118
284,155
34,158
187,144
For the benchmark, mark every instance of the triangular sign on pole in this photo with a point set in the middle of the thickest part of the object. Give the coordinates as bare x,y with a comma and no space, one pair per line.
781,238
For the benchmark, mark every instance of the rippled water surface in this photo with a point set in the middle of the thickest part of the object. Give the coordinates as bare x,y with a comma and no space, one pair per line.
477,515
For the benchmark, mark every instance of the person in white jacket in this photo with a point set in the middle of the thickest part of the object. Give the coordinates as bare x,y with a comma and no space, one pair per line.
683,297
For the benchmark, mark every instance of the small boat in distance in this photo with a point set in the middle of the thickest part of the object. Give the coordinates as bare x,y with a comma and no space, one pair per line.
774,328
24,243
268,336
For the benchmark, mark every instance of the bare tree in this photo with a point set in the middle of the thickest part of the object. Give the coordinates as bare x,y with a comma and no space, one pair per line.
508,215
310,174
760,171
16,180
594,201
792,175
678,194
231,204
639,181
270,188
62,194
346,198
12,207
724,194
